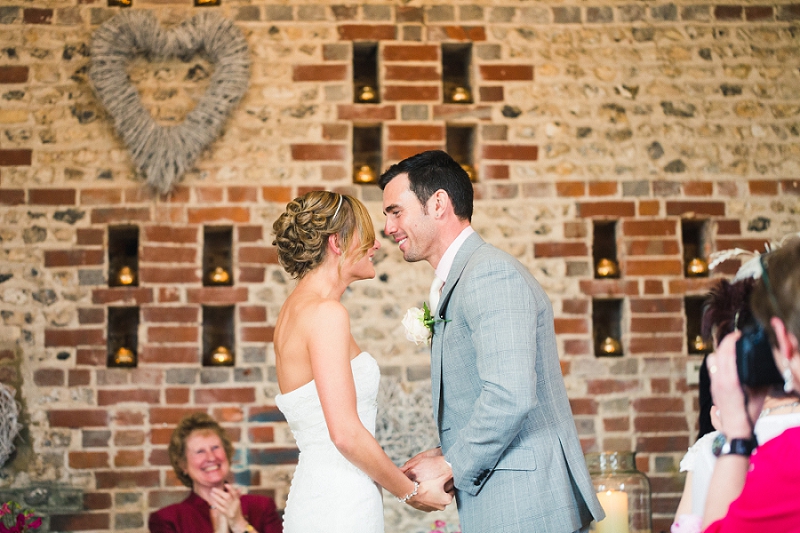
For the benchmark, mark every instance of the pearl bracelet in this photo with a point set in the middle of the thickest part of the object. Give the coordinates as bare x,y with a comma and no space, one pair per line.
411,494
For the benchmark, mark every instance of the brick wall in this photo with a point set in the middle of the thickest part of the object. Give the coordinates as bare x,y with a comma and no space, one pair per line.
647,114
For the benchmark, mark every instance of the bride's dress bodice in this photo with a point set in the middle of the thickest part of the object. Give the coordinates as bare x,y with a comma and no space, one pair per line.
329,493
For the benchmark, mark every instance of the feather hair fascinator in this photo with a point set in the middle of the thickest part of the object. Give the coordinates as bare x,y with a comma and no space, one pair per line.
751,268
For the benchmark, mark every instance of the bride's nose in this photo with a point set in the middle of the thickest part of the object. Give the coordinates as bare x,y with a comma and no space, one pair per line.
377,244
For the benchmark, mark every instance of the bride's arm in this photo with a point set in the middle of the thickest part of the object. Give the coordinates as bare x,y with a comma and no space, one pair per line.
330,347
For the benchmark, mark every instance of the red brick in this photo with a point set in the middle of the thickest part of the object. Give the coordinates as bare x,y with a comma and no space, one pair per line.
249,233
571,325
602,188
649,208
79,257
79,378
583,406
228,414
658,404
791,186
491,94
608,287
756,245
617,424
758,13
13,74
172,334
129,437
159,457
364,32
318,152
728,12
125,458
698,188
653,286
89,236
94,501
258,254
366,112
243,194
258,334
397,152
609,386
175,395
411,93
656,305
691,209
171,234
262,434
80,521
129,418
48,377
169,275
506,72
606,209
676,443
84,460
219,395
171,416
729,227
77,418
510,151
647,267
201,215
417,132
656,325
33,15
207,195
12,196
169,354
252,313
691,286
189,314
73,337
126,480
335,132
458,33
409,14
570,188
652,247
410,52
91,356
168,254
120,214
495,172
411,73
324,72
575,306
168,295
217,295
639,228
251,274
100,196
113,397
123,295
15,157
560,249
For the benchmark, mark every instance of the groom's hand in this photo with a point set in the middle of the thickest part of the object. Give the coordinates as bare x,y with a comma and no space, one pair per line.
431,495
427,465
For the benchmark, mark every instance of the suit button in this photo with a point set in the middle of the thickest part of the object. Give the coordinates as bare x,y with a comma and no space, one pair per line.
477,482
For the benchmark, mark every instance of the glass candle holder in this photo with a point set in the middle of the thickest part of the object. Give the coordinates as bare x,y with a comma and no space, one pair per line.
623,491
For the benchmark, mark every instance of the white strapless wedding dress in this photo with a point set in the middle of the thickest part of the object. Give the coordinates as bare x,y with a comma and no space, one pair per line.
328,493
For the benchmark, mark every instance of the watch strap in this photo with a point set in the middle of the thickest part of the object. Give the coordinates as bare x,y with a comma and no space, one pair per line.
744,447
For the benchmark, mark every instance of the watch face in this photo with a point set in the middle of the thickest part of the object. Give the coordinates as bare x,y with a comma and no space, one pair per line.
717,444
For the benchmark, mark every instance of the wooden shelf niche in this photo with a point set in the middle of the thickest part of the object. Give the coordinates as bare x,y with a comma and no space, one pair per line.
365,73
460,144
217,256
123,256
694,237
122,337
367,153
219,346
457,73
696,343
607,327
604,249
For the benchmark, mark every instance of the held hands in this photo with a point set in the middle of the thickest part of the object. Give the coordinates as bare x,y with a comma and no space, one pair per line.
226,502
435,478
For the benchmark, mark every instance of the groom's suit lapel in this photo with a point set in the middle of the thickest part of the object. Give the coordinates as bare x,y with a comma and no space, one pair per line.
463,256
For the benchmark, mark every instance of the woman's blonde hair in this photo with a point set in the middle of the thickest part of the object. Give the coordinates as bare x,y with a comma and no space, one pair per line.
302,231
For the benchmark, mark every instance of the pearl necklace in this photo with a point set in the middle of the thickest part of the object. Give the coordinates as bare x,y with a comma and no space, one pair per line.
767,411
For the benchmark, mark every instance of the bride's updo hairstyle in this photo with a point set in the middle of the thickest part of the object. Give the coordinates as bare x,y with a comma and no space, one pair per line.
302,231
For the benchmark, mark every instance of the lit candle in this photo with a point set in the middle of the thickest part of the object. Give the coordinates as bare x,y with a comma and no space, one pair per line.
615,504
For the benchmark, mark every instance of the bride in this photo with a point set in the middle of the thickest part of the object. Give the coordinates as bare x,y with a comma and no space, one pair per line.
328,385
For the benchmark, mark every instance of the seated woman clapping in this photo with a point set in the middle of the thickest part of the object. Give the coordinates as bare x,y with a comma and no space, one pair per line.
200,453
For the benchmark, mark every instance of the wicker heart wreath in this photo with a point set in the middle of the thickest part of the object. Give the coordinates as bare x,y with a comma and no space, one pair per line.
163,154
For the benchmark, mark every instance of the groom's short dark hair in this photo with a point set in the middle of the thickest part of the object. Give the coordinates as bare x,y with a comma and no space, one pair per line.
433,170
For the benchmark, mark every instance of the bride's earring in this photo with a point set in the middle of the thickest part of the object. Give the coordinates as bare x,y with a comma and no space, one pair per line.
788,385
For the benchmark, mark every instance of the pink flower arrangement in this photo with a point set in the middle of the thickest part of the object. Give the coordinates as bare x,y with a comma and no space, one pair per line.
440,526
15,519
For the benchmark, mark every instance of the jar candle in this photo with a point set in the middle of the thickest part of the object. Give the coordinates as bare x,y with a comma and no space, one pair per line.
623,491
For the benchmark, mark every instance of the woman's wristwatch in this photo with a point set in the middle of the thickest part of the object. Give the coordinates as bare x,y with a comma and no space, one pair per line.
248,529
723,446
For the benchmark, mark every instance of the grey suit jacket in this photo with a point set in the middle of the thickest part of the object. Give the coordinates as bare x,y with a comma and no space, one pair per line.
500,403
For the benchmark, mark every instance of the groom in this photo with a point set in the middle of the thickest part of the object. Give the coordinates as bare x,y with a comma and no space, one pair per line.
505,426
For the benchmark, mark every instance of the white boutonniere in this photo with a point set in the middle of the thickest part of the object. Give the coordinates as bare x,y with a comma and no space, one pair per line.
419,324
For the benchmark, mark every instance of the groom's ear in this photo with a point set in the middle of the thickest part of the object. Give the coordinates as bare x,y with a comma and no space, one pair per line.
441,201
